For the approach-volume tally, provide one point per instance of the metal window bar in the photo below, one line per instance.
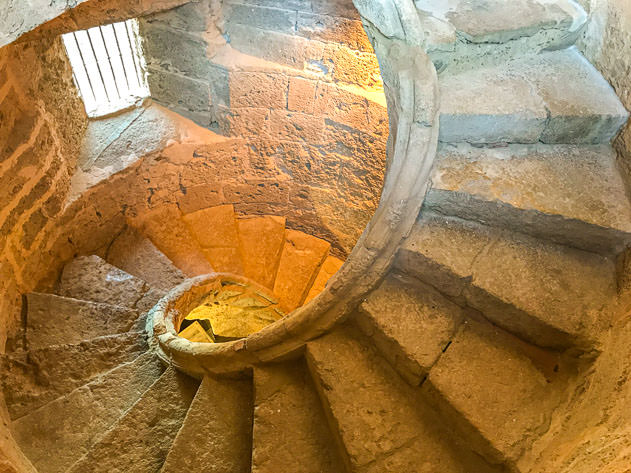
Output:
(102, 59)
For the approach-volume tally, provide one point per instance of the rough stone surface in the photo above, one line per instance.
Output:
(300, 262)
(488, 381)
(215, 229)
(572, 195)
(410, 323)
(552, 295)
(368, 403)
(290, 427)
(166, 230)
(216, 436)
(261, 243)
(34, 378)
(55, 320)
(136, 255)
(140, 440)
(526, 100)
(91, 278)
(328, 269)
(69, 425)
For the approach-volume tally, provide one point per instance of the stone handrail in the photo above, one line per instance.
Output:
(411, 88)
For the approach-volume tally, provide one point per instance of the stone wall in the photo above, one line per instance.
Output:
(300, 83)
(607, 44)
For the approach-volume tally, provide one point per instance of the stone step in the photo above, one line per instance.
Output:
(380, 422)
(572, 195)
(216, 436)
(290, 426)
(328, 269)
(60, 432)
(166, 230)
(551, 295)
(91, 278)
(552, 97)
(410, 323)
(135, 254)
(140, 440)
(34, 378)
(261, 242)
(55, 320)
(487, 387)
(461, 30)
(215, 229)
(300, 262)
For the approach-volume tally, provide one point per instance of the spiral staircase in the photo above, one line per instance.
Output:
(459, 360)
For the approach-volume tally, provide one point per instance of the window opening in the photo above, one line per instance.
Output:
(108, 66)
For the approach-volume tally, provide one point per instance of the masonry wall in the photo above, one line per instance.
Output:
(297, 80)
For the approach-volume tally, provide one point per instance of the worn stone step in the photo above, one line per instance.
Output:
(410, 323)
(300, 262)
(91, 278)
(60, 432)
(572, 195)
(551, 295)
(328, 269)
(140, 440)
(493, 393)
(290, 426)
(55, 320)
(461, 30)
(135, 254)
(215, 229)
(34, 378)
(216, 436)
(261, 242)
(379, 419)
(166, 230)
(552, 97)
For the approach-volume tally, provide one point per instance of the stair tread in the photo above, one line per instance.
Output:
(140, 439)
(290, 427)
(487, 379)
(328, 269)
(495, 21)
(370, 403)
(527, 99)
(135, 254)
(261, 241)
(69, 425)
(216, 436)
(91, 278)
(570, 194)
(56, 320)
(410, 323)
(215, 229)
(166, 230)
(549, 294)
(300, 261)
(34, 378)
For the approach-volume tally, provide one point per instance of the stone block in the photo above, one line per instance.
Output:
(295, 126)
(258, 90)
(253, 16)
(257, 191)
(353, 67)
(178, 91)
(261, 240)
(300, 262)
(190, 17)
(328, 269)
(245, 122)
(302, 94)
(333, 29)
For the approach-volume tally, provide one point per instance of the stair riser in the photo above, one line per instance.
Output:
(507, 316)
(555, 228)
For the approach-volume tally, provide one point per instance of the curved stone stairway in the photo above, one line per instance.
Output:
(458, 362)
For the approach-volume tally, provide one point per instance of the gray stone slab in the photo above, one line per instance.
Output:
(411, 324)
(55, 320)
(60, 432)
(551, 295)
(569, 194)
(34, 378)
(140, 440)
(216, 436)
